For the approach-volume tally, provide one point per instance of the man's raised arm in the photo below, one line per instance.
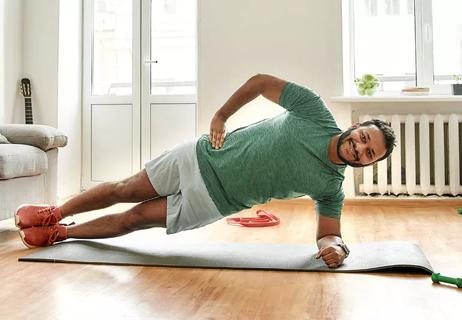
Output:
(329, 240)
(268, 86)
(261, 84)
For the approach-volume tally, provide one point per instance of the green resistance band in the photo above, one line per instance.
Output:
(436, 277)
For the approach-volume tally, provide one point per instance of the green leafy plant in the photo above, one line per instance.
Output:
(457, 85)
(367, 84)
(457, 78)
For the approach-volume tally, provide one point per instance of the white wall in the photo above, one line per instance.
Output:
(40, 57)
(297, 40)
(11, 104)
(52, 59)
(2, 61)
(69, 95)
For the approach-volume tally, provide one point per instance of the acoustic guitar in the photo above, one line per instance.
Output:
(27, 93)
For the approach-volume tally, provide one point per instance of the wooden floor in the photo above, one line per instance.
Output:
(78, 291)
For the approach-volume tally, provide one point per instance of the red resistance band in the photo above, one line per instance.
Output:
(264, 219)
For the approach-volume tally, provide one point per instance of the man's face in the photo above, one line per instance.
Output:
(361, 146)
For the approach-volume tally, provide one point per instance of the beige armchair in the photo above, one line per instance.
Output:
(28, 165)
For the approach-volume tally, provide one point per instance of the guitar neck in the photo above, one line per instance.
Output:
(28, 110)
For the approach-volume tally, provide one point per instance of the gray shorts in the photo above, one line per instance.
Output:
(175, 174)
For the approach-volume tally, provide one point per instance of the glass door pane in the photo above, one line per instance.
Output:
(112, 48)
(173, 47)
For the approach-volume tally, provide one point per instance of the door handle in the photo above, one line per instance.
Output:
(150, 61)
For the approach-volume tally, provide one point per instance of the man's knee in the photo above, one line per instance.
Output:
(131, 222)
(136, 188)
(145, 215)
(135, 220)
(122, 191)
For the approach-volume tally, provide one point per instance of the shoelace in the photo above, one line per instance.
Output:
(53, 236)
(48, 216)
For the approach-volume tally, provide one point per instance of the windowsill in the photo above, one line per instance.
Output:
(397, 97)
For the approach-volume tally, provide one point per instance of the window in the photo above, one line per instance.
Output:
(447, 39)
(404, 42)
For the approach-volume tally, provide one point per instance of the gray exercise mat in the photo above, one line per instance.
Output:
(363, 257)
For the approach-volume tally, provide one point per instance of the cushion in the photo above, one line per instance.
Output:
(40, 136)
(3, 139)
(19, 160)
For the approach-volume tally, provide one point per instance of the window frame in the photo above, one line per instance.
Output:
(423, 50)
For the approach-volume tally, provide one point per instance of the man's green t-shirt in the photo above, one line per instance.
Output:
(281, 157)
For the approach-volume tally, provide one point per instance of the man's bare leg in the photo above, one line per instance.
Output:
(136, 188)
(148, 214)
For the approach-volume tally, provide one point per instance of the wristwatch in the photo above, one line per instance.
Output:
(344, 248)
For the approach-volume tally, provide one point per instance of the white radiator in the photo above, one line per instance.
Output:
(425, 161)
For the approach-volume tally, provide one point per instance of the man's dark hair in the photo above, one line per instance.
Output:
(388, 134)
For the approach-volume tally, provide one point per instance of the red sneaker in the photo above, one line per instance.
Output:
(43, 236)
(28, 215)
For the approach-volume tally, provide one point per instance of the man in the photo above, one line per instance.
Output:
(299, 152)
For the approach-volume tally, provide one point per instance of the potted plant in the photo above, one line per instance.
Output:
(457, 86)
(367, 84)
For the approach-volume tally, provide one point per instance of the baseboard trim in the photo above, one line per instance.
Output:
(390, 202)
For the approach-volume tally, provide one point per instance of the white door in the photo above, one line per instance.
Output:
(168, 72)
(139, 83)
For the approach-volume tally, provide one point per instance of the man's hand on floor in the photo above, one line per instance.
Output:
(332, 255)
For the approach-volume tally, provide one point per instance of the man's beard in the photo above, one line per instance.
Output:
(341, 139)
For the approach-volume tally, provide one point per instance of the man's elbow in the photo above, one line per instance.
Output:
(259, 77)
(260, 80)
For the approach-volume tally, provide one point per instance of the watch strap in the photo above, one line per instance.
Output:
(344, 248)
